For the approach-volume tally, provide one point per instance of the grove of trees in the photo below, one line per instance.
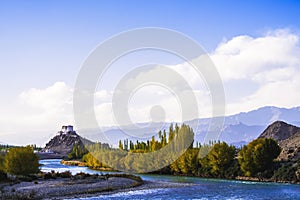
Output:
(216, 159)
(170, 152)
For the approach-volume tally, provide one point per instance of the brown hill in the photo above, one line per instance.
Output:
(288, 138)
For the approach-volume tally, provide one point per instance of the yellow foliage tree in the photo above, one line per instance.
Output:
(21, 161)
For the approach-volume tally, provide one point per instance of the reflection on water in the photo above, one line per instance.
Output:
(200, 189)
(54, 164)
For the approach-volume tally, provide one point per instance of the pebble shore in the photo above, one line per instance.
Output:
(64, 187)
(68, 189)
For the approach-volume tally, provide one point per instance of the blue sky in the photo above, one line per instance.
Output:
(52, 38)
(45, 42)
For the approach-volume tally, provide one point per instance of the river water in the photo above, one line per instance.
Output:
(199, 188)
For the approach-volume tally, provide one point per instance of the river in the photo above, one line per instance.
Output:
(199, 188)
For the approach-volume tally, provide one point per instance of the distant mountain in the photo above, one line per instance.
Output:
(288, 138)
(246, 126)
(240, 132)
(3, 143)
(265, 115)
(237, 129)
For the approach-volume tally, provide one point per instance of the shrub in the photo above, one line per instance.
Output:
(48, 176)
(82, 175)
(21, 161)
(66, 174)
(287, 172)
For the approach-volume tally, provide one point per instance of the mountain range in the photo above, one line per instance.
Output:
(238, 129)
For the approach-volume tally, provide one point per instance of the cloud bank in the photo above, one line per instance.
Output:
(260, 71)
(256, 71)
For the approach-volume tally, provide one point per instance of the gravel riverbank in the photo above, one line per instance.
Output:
(145, 186)
(64, 187)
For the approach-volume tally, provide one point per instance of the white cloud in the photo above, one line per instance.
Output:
(37, 114)
(53, 98)
(270, 64)
(257, 71)
(245, 57)
(103, 96)
(104, 114)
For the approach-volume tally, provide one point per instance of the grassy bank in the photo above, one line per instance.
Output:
(83, 164)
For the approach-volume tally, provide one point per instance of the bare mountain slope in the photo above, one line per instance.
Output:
(287, 136)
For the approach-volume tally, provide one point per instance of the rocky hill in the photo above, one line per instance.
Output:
(63, 142)
(288, 138)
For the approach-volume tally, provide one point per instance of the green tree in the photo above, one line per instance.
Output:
(258, 156)
(77, 152)
(220, 158)
(125, 146)
(164, 139)
(21, 161)
(121, 145)
(187, 163)
(153, 144)
(171, 133)
(131, 145)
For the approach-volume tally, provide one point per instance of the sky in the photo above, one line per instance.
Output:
(43, 44)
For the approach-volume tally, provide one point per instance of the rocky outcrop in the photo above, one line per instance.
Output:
(288, 138)
(279, 131)
(63, 142)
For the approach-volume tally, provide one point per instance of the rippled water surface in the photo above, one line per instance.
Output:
(199, 189)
